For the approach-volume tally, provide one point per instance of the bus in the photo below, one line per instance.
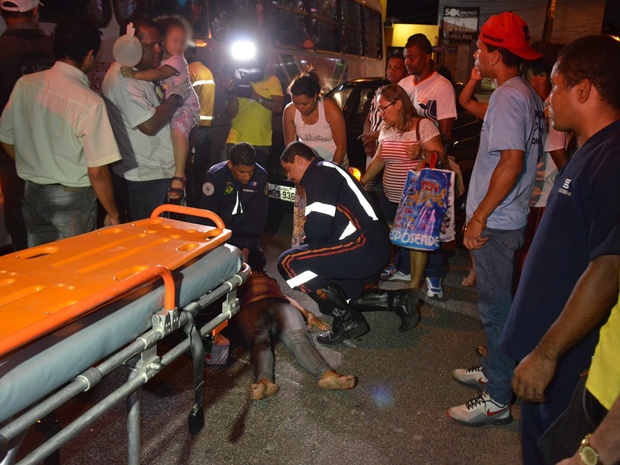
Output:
(339, 39)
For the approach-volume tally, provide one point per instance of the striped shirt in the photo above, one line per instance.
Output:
(373, 113)
(397, 164)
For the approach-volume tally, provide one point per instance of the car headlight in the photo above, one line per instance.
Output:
(243, 50)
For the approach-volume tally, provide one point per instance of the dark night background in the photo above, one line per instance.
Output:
(413, 11)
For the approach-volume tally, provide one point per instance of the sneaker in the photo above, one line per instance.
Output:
(433, 288)
(479, 411)
(400, 276)
(472, 377)
(387, 274)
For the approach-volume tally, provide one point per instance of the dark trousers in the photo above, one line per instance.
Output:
(582, 416)
(351, 265)
(138, 199)
(269, 319)
(537, 418)
(198, 164)
(13, 193)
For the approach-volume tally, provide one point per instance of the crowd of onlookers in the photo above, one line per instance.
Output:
(542, 210)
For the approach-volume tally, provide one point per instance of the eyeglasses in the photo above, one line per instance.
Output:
(382, 109)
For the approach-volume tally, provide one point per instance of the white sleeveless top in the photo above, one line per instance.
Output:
(317, 136)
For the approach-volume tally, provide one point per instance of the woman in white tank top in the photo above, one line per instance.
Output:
(314, 121)
(319, 124)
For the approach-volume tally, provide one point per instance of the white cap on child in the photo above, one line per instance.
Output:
(127, 49)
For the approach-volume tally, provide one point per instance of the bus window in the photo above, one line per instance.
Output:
(289, 24)
(230, 18)
(374, 37)
(99, 10)
(192, 10)
(325, 25)
(352, 31)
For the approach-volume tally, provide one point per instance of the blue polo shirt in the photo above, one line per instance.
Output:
(513, 121)
(581, 222)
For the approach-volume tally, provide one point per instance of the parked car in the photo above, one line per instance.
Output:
(354, 98)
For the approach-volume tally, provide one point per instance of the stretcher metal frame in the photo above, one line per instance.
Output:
(143, 362)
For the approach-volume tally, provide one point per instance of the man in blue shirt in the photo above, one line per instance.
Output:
(569, 283)
(497, 205)
(237, 191)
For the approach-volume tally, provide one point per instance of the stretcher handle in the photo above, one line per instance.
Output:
(183, 210)
(133, 281)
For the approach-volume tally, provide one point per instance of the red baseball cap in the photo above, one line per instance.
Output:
(509, 31)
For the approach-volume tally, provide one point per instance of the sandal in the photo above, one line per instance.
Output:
(176, 194)
(470, 279)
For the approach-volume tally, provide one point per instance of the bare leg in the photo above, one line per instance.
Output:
(263, 389)
(470, 279)
(418, 265)
(180, 149)
(334, 380)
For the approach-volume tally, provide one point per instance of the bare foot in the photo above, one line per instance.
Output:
(333, 380)
(263, 389)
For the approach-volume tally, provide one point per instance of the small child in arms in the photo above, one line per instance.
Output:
(174, 72)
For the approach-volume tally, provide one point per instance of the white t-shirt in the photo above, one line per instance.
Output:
(130, 103)
(59, 127)
(546, 170)
(433, 97)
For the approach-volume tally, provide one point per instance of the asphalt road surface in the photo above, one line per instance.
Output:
(395, 416)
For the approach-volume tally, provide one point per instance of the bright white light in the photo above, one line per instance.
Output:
(243, 50)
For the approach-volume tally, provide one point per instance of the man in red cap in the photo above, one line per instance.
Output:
(497, 206)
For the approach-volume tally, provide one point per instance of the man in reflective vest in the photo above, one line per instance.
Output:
(345, 248)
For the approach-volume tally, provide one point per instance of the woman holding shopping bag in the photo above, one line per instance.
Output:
(405, 141)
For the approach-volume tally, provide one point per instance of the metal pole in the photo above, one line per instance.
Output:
(133, 423)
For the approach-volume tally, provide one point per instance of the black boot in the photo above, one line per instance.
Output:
(347, 324)
(403, 302)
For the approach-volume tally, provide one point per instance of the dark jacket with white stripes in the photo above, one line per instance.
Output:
(338, 208)
(242, 207)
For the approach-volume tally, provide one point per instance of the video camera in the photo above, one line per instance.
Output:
(243, 78)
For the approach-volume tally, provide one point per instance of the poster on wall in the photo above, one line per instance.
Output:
(460, 25)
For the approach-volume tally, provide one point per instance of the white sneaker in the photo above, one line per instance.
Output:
(434, 288)
(472, 377)
(479, 411)
(400, 276)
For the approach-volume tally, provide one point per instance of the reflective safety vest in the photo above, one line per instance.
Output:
(204, 85)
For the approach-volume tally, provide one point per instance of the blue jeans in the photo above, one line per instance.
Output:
(436, 266)
(53, 212)
(494, 277)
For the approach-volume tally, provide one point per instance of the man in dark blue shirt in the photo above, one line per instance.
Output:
(237, 191)
(572, 267)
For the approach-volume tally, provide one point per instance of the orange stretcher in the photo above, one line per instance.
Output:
(76, 310)
(46, 287)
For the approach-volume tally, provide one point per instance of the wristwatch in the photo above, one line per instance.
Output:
(587, 453)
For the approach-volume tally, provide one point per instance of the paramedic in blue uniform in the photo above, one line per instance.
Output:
(346, 245)
(237, 191)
